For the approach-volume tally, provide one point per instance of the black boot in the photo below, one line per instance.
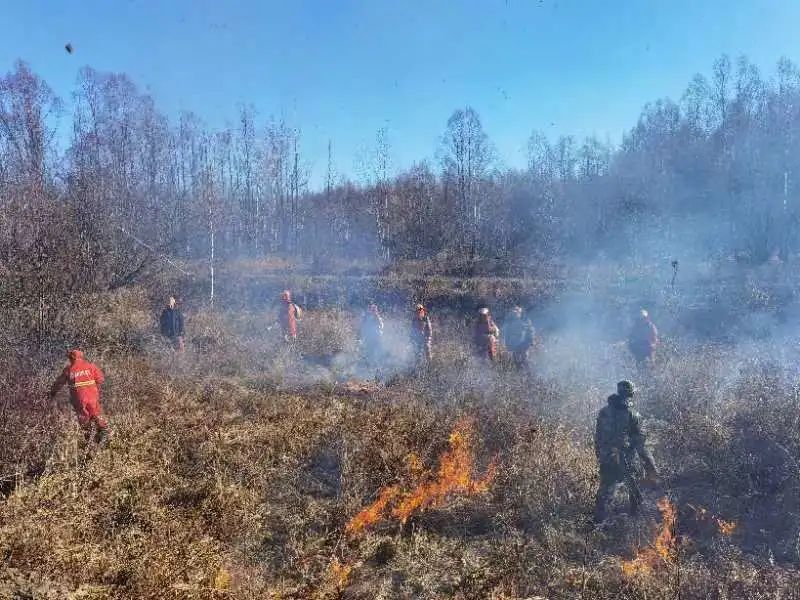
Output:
(101, 436)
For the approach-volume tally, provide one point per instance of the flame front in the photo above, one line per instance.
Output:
(341, 573)
(338, 576)
(726, 528)
(454, 476)
(663, 550)
(374, 512)
(415, 466)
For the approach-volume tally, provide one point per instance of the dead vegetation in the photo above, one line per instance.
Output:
(235, 471)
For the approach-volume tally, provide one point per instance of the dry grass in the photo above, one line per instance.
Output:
(235, 468)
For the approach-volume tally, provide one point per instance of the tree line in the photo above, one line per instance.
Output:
(87, 199)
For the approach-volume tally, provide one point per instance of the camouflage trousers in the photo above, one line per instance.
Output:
(613, 475)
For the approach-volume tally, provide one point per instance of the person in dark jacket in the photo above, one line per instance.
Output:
(618, 438)
(643, 338)
(171, 322)
(518, 331)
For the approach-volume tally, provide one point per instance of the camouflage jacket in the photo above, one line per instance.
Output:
(619, 435)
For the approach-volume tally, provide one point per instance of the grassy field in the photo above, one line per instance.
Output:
(236, 470)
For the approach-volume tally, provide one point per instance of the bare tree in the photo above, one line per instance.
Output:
(466, 156)
(29, 111)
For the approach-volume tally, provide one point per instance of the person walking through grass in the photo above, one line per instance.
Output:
(422, 335)
(84, 380)
(171, 324)
(619, 437)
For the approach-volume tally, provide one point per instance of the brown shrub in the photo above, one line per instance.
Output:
(222, 481)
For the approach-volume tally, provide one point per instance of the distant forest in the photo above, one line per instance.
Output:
(711, 174)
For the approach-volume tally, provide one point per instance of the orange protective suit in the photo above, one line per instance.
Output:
(84, 380)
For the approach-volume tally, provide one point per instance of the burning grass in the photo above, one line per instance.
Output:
(455, 476)
(725, 528)
(223, 482)
(664, 548)
(663, 552)
(374, 512)
(339, 574)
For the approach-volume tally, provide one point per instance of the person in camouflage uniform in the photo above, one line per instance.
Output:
(618, 437)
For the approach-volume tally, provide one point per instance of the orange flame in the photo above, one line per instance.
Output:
(726, 528)
(454, 476)
(337, 578)
(415, 466)
(373, 513)
(340, 573)
(663, 550)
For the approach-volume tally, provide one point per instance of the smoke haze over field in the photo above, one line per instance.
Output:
(709, 176)
(561, 157)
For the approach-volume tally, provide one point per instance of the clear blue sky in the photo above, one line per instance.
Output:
(341, 69)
